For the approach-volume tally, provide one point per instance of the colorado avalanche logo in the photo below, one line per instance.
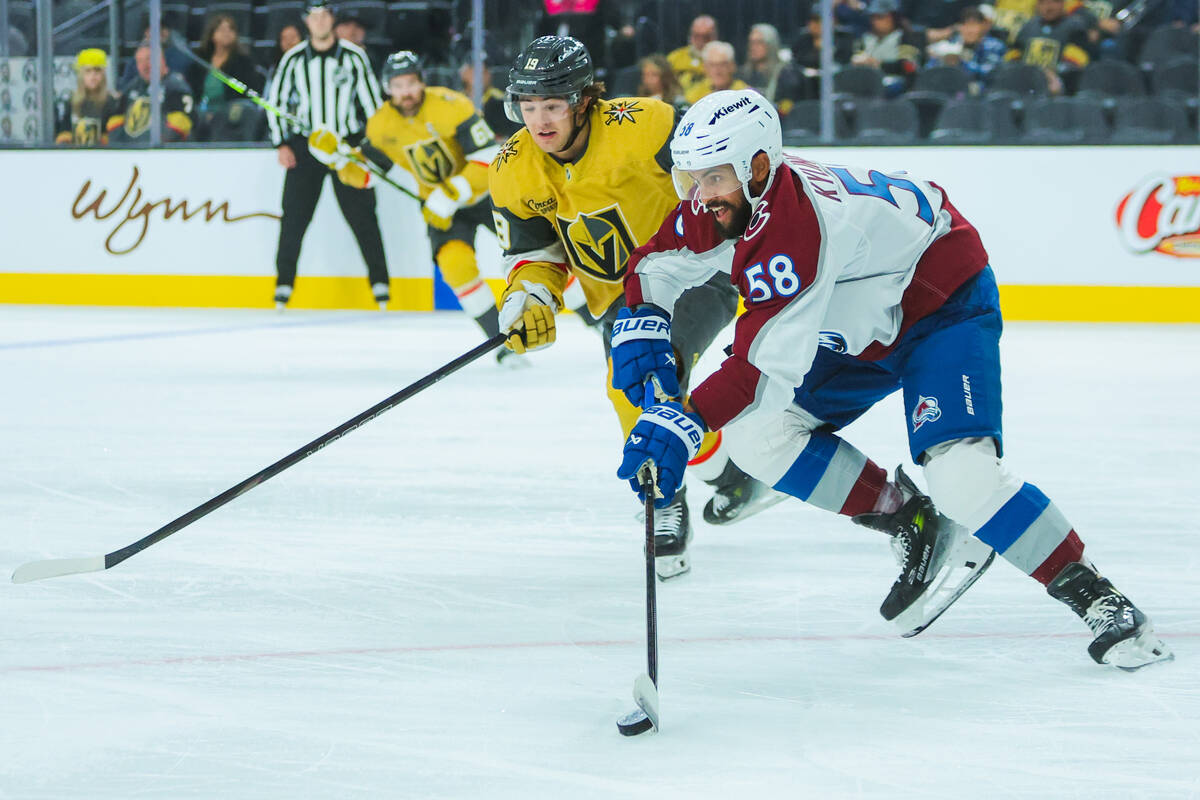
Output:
(832, 340)
(758, 220)
(927, 410)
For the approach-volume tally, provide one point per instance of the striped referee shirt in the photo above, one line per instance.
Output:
(332, 89)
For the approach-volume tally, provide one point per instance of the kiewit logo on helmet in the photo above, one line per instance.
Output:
(927, 410)
(1163, 215)
(729, 109)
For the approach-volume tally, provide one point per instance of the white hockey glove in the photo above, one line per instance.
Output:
(328, 148)
(527, 314)
(445, 201)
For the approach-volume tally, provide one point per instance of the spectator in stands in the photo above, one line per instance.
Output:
(719, 72)
(687, 60)
(890, 46)
(765, 71)
(132, 124)
(659, 81)
(1121, 29)
(806, 54)
(289, 36)
(220, 47)
(971, 47)
(177, 61)
(351, 28)
(491, 100)
(81, 118)
(1057, 42)
(849, 16)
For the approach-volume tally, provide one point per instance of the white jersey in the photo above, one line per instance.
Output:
(834, 256)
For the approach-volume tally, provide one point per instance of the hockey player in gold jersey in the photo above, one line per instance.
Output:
(431, 141)
(575, 191)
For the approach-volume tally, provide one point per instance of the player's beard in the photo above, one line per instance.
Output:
(739, 218)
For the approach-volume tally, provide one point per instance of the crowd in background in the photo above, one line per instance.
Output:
(905, 69)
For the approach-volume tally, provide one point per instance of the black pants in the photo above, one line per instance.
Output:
(301, 189)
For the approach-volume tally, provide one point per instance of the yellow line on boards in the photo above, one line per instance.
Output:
(1100, 303)
(1019, 302)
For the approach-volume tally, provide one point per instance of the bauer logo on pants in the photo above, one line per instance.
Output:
(927, 410)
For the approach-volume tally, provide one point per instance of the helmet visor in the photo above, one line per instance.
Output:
(528, 110)
(707, 183)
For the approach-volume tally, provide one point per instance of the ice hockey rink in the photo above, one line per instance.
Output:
(448, 602)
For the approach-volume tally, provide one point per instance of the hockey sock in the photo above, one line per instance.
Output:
(710, 461)
(830, 473)
(489, 321)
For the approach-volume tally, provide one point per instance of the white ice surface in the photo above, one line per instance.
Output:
(447, 603)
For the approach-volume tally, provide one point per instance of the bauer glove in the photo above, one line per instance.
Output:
(641, 352)
(527, 315)
(666, 437)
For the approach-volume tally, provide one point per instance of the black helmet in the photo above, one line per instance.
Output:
(552, 66)
(405, 62)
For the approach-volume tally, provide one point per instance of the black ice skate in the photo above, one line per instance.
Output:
(1124, 636)
(510, 359)
(738, 496)
(939, 559)
(672, 532)
(283, 294)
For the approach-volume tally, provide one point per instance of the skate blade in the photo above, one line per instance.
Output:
(1138, 651)
(966, 564)
(667, 567)
(760, 503)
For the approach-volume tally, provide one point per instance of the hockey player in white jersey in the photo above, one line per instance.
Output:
(856, 283)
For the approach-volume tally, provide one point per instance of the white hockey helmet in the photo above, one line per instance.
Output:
(726, 127)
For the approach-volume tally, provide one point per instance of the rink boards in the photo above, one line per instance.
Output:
(1074, 233)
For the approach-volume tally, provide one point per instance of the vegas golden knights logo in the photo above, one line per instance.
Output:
(87, 131)
(599, 243)
(137, 118)
(431, 160)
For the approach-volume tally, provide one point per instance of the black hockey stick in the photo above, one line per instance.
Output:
(259, 100)
(645, 687)
(51, 568)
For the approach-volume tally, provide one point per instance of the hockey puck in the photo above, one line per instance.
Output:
(634, 722)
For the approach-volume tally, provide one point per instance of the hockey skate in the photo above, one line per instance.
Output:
(283, 294)
(1124, 636)
(939, 559)
(382, 295)
(511, 360)
(738, 496)
(672, 532)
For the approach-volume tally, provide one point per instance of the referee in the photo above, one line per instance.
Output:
(328, 83)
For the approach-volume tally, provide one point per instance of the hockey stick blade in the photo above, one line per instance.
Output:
(54, 567)
(645, 694)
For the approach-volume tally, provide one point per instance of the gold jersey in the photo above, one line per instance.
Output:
(446, 137)
(689, 68)
(589, 215)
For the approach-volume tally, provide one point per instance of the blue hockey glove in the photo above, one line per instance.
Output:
(641, 352)
(667, 437)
